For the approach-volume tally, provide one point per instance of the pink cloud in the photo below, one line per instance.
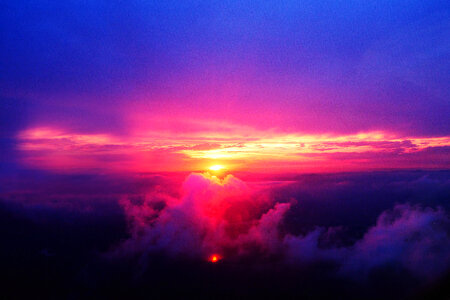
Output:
(237, 221)
(243, 149)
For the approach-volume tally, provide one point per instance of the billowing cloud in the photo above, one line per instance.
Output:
(237, 221)
(212, 216)
(407, 236)
(303, 233)
(415, 238)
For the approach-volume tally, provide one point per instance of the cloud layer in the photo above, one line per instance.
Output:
(312, 236)
(240, 148)
(245, 223)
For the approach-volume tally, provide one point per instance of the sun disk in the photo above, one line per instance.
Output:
(216, 168)
(215, 258)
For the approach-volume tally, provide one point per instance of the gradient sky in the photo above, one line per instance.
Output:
(295, 86)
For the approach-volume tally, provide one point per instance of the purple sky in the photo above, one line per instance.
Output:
(221, 68)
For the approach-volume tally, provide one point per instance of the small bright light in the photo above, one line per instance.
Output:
(215, 258)
(216, 168)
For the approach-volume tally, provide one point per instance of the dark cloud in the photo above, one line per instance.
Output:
(384, 234)
(416, 239)
(235, 221)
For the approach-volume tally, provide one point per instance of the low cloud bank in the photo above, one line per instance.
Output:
(242, 223)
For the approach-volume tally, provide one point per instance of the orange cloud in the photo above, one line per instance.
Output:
(52, 148)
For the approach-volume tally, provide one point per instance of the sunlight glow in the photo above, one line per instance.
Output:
(216, 168)
(59, 149)
(215, 258)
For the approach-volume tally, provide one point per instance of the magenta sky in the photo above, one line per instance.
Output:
(297, 86)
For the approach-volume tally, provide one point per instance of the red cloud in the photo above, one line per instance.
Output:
(232, 220)
(212, 216)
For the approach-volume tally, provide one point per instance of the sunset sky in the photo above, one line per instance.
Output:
(277, 86)
(188, 149)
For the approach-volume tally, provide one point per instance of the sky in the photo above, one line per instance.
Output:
(219, 149)
(273, 86)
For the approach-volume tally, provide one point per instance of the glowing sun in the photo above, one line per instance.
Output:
(215, 258)
(216, 168)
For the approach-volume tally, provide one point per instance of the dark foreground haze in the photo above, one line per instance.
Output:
(372, 235)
